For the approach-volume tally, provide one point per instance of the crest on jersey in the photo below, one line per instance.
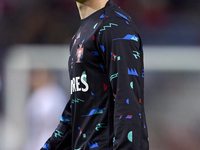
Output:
(79, 53)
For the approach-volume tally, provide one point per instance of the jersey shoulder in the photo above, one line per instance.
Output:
(115, 16)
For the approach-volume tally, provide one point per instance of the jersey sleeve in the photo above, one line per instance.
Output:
(61, 137)
(121, 49)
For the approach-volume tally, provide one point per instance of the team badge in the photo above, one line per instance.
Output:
(79, 53)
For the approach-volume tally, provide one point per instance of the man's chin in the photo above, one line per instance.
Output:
(80, 1)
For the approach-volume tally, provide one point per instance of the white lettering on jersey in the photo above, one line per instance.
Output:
(73, 85)
(76, 83)
(84, 82)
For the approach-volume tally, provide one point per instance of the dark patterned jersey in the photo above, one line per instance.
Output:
(106, 107)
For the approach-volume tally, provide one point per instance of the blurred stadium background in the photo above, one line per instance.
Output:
(34, 84)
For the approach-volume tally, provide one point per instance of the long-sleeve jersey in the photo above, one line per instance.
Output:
(106, 107)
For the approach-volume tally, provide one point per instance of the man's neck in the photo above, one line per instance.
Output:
(89, 7)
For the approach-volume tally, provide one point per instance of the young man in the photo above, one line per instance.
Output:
(106, 107)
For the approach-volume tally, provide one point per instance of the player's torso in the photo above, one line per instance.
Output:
(90, 90)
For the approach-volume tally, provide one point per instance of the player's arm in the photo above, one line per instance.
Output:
(61, 137)
(121, 49)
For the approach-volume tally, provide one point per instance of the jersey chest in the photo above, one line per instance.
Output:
(84, 53)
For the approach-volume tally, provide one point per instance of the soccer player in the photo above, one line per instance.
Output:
(106, 107)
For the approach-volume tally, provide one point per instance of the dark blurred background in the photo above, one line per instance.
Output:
(163, 23)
